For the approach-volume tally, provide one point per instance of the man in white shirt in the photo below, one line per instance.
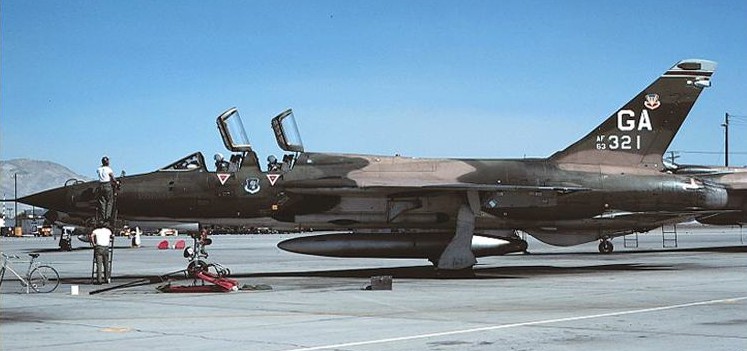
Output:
(101, 239)
(105, 196)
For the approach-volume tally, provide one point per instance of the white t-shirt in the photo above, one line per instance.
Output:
(104, 173)
(101, 236)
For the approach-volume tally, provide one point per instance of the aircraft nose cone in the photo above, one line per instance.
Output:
(54, 199)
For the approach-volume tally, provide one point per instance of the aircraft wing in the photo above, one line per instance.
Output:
(501, 187)
(480, 196)
(329, 187)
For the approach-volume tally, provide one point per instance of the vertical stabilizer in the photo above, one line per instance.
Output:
(638, 134)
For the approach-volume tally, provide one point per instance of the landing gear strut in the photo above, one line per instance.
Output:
(458, 253)
(605, 246)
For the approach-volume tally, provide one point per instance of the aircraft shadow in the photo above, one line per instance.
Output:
(428, 272)
(130, 280)
(718, 249)
(54, 249)
(410, 272)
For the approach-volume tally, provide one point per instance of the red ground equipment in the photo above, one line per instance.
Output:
(208, 277)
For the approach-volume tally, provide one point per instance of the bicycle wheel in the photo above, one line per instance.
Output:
(44, 279)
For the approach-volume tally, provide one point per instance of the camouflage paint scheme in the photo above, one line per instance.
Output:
(611, 182)
(733, 179)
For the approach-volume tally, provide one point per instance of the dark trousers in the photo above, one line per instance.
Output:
(106, 201)
(101, 255)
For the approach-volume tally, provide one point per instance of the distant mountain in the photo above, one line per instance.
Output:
(33, 176)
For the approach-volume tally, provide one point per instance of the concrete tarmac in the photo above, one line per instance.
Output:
(693, 297)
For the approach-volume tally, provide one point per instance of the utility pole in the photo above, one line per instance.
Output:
(726, 139)
(15, 196)
(673, 156)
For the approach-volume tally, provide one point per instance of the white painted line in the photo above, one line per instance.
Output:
(514, 325)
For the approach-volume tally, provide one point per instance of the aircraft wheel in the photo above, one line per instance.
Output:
(606, 247)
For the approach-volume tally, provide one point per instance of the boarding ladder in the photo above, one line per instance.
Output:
(741, 234)
(110, 249)
(630, 240)
(669, 235)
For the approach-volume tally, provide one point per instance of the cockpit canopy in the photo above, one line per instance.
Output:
(194, 161)
(232, 131)
(286, 132)
(236, 139)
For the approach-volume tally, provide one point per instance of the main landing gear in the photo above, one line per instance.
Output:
(605, 246)
(458, 253)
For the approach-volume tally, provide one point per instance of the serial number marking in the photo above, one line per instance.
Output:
(618, 142)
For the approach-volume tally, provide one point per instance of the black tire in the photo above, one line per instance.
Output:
(606, 247)
(44, 279)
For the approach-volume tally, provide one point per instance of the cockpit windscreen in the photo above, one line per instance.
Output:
(192, 162)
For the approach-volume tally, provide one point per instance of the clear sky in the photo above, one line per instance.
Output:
(143, 81)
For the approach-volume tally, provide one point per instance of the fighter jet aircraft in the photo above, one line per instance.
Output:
(611, 182)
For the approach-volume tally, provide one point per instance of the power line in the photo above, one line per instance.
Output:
(710, 152)
(737, 120)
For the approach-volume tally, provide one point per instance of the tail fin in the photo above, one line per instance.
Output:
(640, 132)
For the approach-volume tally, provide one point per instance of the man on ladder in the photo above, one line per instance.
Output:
(107, 185)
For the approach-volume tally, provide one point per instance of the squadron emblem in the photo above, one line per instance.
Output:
(652, 101)
(251, 185)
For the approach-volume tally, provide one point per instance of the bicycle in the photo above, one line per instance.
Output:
(39, 277)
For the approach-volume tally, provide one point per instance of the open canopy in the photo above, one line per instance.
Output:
(286, 132)
(236, 139)
(232, 131)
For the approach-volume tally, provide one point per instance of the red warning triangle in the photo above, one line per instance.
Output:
(273, 178)
(223, 177)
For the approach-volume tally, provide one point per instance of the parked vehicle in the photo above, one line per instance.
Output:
(168, 232)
